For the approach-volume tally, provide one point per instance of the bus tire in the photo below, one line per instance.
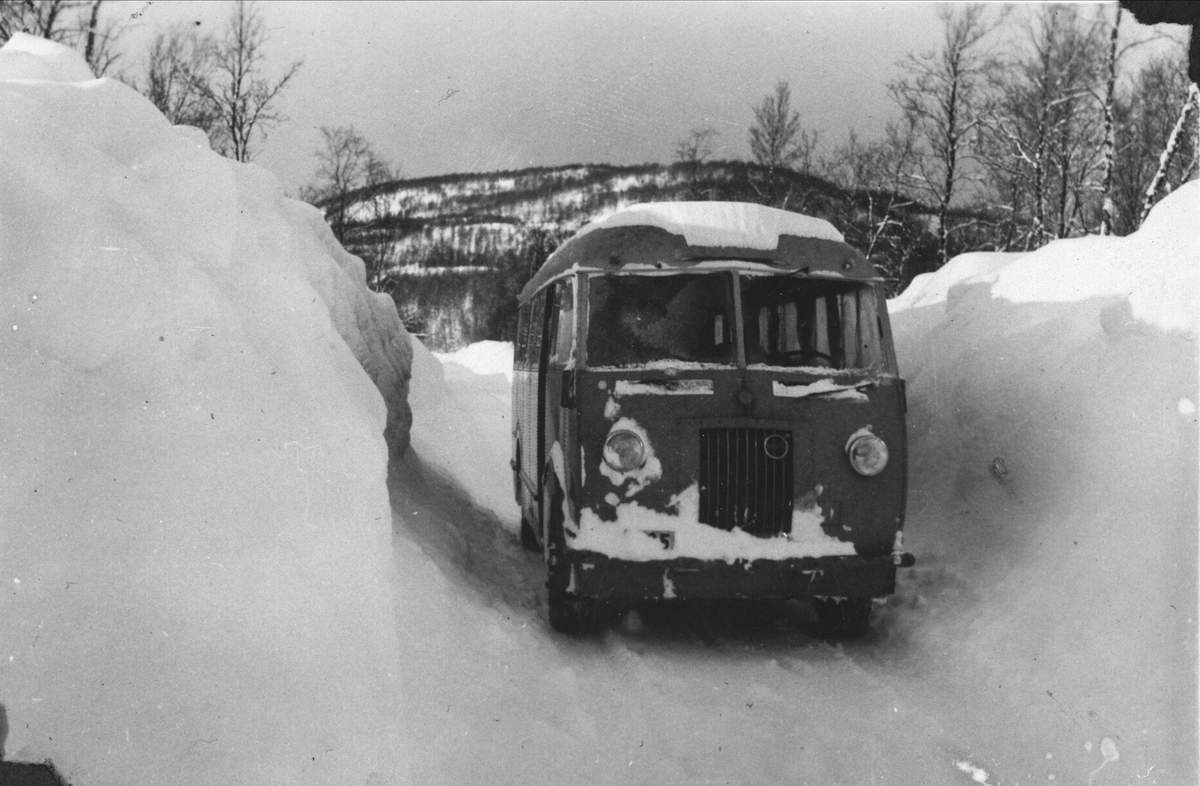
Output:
(569, 613)
(843, 618)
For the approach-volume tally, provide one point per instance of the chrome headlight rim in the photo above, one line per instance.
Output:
(868, 455)
(625, 460)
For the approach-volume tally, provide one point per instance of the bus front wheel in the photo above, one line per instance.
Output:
(569, 613)
(843, 617)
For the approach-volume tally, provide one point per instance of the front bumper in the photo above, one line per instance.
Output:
(597, 575)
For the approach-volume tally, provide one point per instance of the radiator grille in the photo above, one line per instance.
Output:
(745, 482)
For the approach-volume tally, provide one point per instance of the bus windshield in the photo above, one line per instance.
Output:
(640, 320)
(646, 320)
(810, 323)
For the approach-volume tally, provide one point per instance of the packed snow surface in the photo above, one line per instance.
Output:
(719, 224)
(194, 521)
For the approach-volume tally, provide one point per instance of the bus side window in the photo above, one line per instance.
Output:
(522, 348)
(563, 323)
(534, 348)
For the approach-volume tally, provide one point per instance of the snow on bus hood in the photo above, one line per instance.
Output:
(720, 224)
(634, 535)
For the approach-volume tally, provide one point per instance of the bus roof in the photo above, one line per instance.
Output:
(683, 235)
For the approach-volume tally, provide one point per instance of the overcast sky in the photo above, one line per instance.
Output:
(456, 87)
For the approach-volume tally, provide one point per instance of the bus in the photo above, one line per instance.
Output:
(706, 404)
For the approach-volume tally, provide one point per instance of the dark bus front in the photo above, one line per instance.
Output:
(722, 428)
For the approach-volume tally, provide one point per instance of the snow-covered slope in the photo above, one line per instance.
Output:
(194, 546)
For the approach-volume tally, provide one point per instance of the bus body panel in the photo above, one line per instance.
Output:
(747, 488)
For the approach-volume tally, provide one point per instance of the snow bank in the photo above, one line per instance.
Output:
(1053, 491)
(194, 523)
(719, 224)
(930, 289)
(462, 424)
(482, 358)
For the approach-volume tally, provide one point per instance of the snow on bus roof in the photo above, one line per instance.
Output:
(719, 224)
(675, 235)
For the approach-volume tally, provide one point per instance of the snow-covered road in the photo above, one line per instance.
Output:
(711, 693)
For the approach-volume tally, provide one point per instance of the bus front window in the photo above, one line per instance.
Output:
(808, 323)
(639, 320)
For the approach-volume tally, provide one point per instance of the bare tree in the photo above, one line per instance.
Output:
(1190, 106)
(875, 176)
(778, 143)
(245, 99)
(1042, 136)
(50, 19)
(344, 156)
(179, 73)
(773, 137)
(1109, 155)
(75, 23)
(692, 152)
(938, 94)
(383, 229)
(353, 183)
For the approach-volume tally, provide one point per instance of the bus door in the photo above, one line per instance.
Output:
(556, 380)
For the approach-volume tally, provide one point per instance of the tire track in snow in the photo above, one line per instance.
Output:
(467, 543)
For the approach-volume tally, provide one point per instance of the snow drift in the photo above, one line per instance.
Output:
(1053, 492)
(194, 521)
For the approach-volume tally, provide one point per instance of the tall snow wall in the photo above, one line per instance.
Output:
(195, 552)
(1053, 491)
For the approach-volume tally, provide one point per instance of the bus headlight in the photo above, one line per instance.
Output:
(868, 454)
(624, 451)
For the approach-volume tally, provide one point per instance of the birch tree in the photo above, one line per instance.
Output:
(76, 23)
(1191, 104)
(938, 94)
(692, 151)
(245, 99)
(178, 78)
(1109, 155)
(778, 142)
(1145, 115)
(344, 157)
(383, 230)
(1040, 137)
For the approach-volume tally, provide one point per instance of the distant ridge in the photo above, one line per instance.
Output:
(494, 229)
